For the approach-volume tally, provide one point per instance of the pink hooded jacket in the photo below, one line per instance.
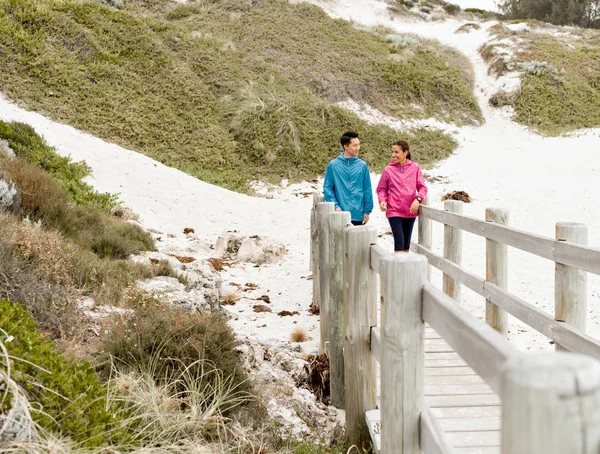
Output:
(399, 189)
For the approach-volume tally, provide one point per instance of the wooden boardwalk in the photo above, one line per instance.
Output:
(467, 409)
(444, 372)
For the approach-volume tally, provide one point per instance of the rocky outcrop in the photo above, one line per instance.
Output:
(297, 413)
(253, 249)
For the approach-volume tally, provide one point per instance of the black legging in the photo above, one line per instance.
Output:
(402, 229)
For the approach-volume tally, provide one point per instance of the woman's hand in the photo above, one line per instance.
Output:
(383, 205)
(414, 208)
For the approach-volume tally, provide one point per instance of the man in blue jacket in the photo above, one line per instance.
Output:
(347, 181)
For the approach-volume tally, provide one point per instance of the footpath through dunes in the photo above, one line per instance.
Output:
(540, 180)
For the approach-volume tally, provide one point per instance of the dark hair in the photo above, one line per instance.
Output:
(347, 138)
(403, 144)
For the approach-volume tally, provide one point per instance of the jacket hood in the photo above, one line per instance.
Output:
(408, 163)
(352, 159)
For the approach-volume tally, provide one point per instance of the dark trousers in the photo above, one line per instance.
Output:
(357, 222)
(402, 230)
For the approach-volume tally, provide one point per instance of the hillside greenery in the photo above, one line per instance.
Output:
(59, 240)
(196, 87)
(560, 86)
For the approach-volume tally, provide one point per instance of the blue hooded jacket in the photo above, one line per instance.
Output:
(348, 185)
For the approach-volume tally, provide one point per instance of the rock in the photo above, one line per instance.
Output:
(258, 249)
(254, 249)
(15, 424)
(170, 289)
(5, 150)
(10, 196)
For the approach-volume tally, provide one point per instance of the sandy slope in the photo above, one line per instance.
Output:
(540, 180)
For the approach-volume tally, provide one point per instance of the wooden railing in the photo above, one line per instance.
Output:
(550, 402)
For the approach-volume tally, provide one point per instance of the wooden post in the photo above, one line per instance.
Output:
(551, 404)
(360, 314)
(323, 211)
(403, 353)
(337, 222)
(314, 247)
(570, 284)
(452, 248)
(496, 271)
(425, 234)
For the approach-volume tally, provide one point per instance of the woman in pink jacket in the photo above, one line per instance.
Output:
(400, 191)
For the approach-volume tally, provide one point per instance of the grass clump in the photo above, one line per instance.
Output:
(65, 396)
(168, 341)
(179, 84)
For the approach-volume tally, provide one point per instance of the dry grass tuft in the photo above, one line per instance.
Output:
(230, 299)
(299, 335)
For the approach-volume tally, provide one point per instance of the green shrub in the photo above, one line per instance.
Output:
(451, 8)
(69, 398)
(178, 338)
(32, 148)
(42, 199)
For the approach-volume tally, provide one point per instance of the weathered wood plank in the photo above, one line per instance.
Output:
(442, 355)
(360, 314)
(561, 417)
(425, 233)
(469, 424)
(323, 210)
(462, 331)
(336, 223)
(402, 352)
(433, 440)
(437, 348)
(478, 450)
(446, 390)
(450, 370)
(471, 439)
(570, 284)
(496, 271)
(377, 254)
(472, 400)
(474, 379)
(452, 249)
(492, 411)
(445, 363)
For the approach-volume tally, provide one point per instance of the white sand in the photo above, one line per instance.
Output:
(540, 180)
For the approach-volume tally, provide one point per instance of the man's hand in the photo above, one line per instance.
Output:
(383, 205)
(338, 209)
(366, 219)
(414, 208)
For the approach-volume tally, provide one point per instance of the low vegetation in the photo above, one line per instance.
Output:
(195, 87)
(179, 339)
(57, 240)
(560, 88)
(64, 396)
(559, 12)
